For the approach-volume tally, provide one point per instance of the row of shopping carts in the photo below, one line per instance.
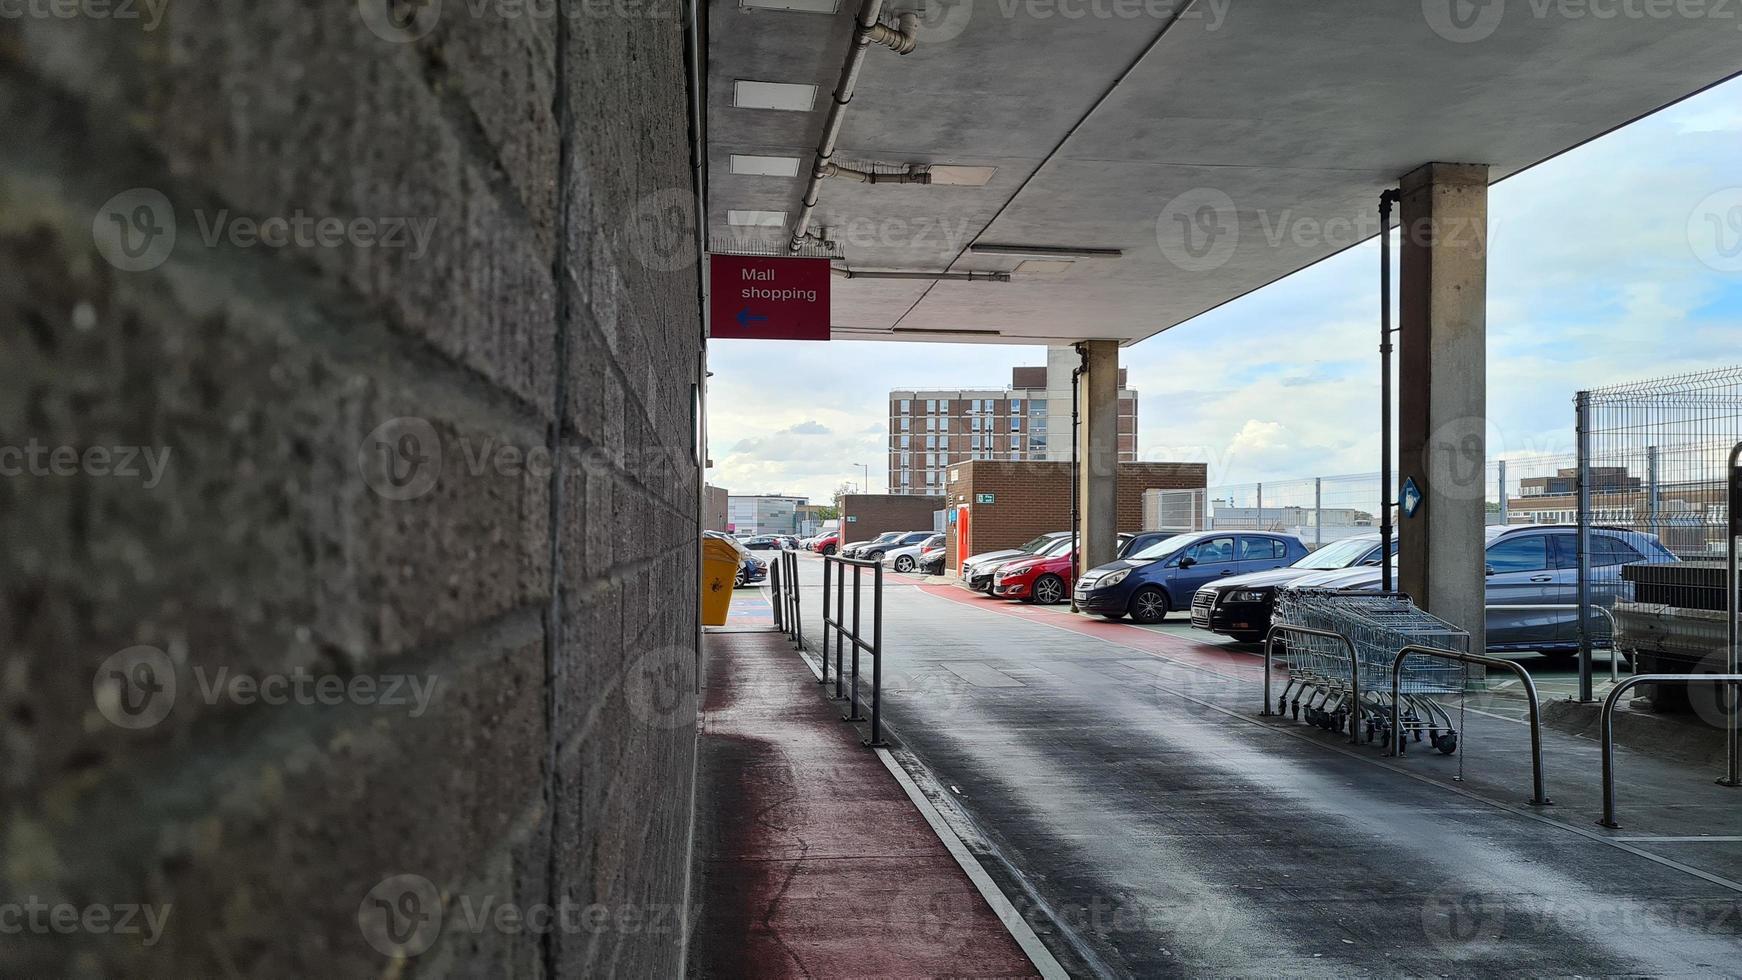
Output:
(1342, 682)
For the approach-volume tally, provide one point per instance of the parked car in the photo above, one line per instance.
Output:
(1044, 578)
(826, 544)
(1150, 582)
(856, 549)
(977, 569)
(762, 542)
(906, 539)
(906, 557)
(1535, 565)
(788, 542)
(751, 570)
(931, 563)
(1240, 606)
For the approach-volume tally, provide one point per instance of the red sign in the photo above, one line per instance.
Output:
(764, 298)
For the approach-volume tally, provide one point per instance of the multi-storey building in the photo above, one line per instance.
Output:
(765, 513)
(1029, 420)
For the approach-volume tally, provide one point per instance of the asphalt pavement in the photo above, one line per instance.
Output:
(1120, 784)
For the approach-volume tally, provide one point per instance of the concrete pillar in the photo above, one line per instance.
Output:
(1098, 453)
(1442, 391)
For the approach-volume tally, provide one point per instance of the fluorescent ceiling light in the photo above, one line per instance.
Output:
(946, 173)
(1039, 267)
(805, 6)
(751, 165)
(1070, 250)
(789, 96)
(759, 219)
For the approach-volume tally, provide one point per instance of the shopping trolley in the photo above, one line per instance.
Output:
(1320, 688)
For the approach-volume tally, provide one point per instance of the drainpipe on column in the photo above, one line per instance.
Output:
(1076, 462)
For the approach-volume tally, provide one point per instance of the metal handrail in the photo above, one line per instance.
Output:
(1606, 724)
(1540, 795)
(1609, 614)
(1354, 671)
(874, 647)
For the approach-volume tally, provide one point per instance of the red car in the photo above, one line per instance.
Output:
(826, 544)
(1043, 578)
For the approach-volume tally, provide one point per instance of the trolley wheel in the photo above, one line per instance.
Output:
(1447, 743)
(1297, 711)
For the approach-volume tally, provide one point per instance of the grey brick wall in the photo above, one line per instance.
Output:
(294, 535)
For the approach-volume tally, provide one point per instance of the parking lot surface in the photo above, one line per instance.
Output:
(1120, 784)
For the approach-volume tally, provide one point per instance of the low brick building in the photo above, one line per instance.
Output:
(866, 515)
(714, 508)
(998, 504)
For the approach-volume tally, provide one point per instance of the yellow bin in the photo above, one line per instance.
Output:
(719, 575)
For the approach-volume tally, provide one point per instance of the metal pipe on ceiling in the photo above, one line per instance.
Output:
(930, 276)
(901, 39)
(912, 175)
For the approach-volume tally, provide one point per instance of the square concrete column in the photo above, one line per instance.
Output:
(1098, 453)
(1442, 391)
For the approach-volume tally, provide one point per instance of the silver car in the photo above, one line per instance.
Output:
(1535, 565)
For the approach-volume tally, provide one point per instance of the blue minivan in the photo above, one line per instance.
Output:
(1148, 583)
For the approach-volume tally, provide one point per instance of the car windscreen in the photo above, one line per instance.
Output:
(1338, 554)
(1163, 548)
(1035, 544)
(1057, 547)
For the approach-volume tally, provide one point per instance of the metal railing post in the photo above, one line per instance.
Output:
(876, 740)
(1733, 742)
(778, 597)
(1606, 725)
(853, 697)
(840, 621)
(797, 605)
(1539, 795)
(828, 566)
(1583, 406)
(1505, 502)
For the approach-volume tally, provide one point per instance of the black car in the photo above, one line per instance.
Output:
(762, 542)
(931, 564)
(1240, 606)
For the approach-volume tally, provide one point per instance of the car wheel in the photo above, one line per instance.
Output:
(1149, 605)
(874, 556)
(1049, 590)
(829, 550)
(904, 564)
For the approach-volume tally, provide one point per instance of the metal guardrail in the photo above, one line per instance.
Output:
(1354, 672)
(1539, 796)
(835, 575)
(1609, 614)
(1607, 725)
(783, 579)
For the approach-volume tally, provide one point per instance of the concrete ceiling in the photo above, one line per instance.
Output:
(1277, 121)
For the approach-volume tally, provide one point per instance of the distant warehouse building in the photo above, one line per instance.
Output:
(763, 513)
(992, 504)
(932, 430)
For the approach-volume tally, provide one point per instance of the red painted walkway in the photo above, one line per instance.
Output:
(814, 863)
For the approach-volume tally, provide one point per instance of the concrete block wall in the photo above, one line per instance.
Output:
(1032, 498)
(390, 654)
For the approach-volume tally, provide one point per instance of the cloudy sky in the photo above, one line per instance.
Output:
(1604, 267)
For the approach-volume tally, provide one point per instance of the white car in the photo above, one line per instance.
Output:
(906, 557)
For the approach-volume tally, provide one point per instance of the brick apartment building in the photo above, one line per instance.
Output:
(1007, 503)
(931, 430)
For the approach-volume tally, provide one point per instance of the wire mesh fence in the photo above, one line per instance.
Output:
(1650, 493)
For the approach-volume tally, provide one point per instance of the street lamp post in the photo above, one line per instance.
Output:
(865, 485)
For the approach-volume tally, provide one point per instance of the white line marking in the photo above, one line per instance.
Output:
(1014, 923)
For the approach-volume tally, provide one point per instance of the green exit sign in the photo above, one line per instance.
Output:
(984, 498)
